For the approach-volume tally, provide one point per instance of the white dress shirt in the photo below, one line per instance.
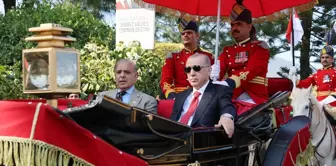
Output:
(127, 96)
(188, 100)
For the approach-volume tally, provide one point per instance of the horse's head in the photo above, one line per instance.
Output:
(302, 101)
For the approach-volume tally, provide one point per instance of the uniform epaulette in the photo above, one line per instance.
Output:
(225, 50)
(169, 55)
(261, 43)
(204, 50)
(213, 56)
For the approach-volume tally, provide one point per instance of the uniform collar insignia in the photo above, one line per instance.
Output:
(197, 49)
(243, 42)
(325, 68)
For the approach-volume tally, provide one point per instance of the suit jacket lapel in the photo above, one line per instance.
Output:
(203, 104)
(181, 102)
(113, 93)
(135, 98)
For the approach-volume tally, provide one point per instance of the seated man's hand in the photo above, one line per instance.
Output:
(227, 124)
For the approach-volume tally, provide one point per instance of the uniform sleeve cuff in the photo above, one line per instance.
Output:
(236, 80)
(168, 91)
(230, 82)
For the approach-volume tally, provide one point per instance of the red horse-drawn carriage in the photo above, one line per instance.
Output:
(106, 132)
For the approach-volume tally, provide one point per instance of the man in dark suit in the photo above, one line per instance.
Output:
(205, 104)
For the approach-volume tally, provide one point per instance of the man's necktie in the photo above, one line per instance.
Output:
(120, 95)
(193, 105)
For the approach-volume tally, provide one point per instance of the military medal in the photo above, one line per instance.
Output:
(241, 57)
(326, 79)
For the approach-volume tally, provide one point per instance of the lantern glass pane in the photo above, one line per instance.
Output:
(36, 66)
(67, 70)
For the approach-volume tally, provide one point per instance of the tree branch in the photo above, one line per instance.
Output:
(323, 14)
(319, 38)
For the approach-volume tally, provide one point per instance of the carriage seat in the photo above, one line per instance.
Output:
(282, 113)
(165, 108)
(275, 85)
(278, 84)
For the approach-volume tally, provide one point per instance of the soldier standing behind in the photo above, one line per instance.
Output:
(243, 66)
(173, 78)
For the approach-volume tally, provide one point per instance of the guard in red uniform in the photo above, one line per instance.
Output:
(243, 66)
(173, 79)
(324, 79)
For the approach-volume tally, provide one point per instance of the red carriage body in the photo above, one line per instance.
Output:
(30, 127)
(37, 129)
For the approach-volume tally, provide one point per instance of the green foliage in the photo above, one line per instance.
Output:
(11, 83)
(97, 7)
(96, 68)
(271, 32)
(97, 63)
(14, 29)
(15, 24)
(162, 49)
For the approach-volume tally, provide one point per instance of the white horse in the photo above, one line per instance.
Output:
(323, 136)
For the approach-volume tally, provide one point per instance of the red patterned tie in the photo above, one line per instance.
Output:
(193, 105)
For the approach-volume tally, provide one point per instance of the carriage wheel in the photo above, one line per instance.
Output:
(291, 144)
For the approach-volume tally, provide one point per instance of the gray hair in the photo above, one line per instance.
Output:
(126, 61)
(205, 58)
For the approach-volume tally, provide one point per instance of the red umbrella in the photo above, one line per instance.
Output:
(259, 8)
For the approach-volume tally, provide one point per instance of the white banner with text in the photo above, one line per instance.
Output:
(136, 24)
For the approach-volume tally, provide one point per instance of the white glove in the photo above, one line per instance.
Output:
(221, 83)
(292, 74)
(215, 70)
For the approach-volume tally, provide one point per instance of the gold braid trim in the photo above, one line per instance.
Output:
(169, 91)
(167, 86)
(304, 157)
(16, 151)
(194, 164)
(270, 18)
(274, 117)
(243, 75)
(236, 79)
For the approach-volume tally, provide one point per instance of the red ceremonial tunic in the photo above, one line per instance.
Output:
(173, 78)
(325, 82)
(246, 63)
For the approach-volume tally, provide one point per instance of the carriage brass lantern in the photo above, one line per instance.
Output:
(51, 70)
